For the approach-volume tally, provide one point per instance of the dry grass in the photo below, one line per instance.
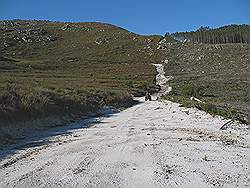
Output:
(216, 74)
(65, 65)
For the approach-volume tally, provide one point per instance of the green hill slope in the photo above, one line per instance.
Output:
(217, 74)
(66, 68)
(61, 67)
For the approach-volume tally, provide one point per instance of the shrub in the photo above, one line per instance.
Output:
(190, 89)
(17, 103)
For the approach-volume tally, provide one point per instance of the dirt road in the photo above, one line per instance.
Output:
(152, 144)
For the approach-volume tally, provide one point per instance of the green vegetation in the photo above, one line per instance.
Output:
(226, 34)
(20, 104)
(215, 74)
(51, 67)
(212, 109)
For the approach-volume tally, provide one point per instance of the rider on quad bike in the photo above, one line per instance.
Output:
(148, 96)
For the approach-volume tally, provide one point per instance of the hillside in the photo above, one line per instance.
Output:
(65, 67)
(217, 74)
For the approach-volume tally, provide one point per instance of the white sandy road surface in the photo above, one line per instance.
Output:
(152, 144)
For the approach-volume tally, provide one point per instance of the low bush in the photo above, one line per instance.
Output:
(17, 103)
(189, 89)
(226, 112)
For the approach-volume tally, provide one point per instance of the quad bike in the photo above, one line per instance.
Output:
(148, 97)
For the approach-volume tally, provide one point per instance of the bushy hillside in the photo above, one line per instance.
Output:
(216, 74)
(61, 67)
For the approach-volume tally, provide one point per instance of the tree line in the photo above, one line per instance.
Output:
(226, 34)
